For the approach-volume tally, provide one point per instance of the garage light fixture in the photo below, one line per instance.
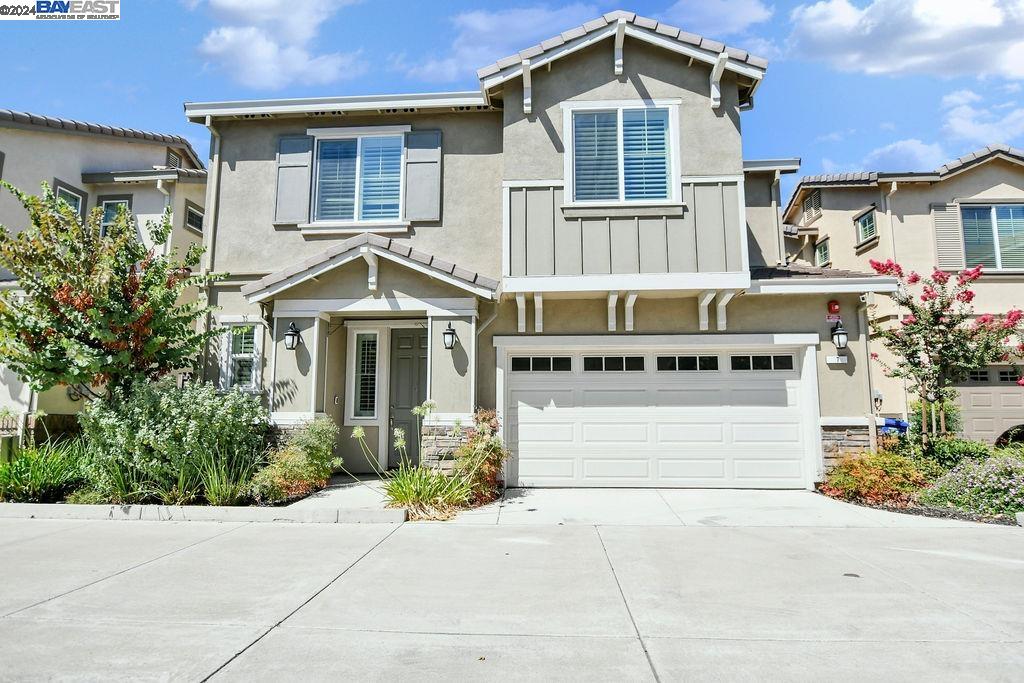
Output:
(292, 337)
(449, 337)
(839, 336)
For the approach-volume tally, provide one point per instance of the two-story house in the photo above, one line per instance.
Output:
(89, 165)
(579, 245)
(969, 212)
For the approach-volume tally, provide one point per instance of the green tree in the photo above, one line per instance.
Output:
(939, 338)
(96, 308)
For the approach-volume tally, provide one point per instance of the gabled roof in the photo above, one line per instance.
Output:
(20, 119)
(354, 248)
(869, 178)
(635, 26)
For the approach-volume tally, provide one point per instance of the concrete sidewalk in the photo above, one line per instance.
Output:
(177, 601)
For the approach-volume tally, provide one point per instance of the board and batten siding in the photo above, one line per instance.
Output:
(545, 239)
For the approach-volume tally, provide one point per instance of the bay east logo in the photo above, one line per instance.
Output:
(78, 9)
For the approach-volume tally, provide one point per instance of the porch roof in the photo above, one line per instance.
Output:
(369, 246)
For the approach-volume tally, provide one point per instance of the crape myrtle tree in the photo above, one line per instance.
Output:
(95, 308)
(939, 338)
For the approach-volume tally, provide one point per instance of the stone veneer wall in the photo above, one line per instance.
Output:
(838, 442)
(438, 445)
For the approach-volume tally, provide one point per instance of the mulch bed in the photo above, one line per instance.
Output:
(941, 513)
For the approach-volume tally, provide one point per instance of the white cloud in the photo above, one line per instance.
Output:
(484, 36)
(715, 18)
(1011, 88)
(887, 125)
(836, 135)
(983, 125)
(959, 98)
(905, 155)
(939, 37)
(266, 44)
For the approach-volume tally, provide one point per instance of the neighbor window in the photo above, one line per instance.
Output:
(365, 398)
(613, 364)
(242, 359)
(73, 199)
(687, 363)
(359, 178)
(622, 155)
(541, 364)
(865, 226)
(821, 253)
(994, 236)
(812, 206)
(761, 362)
(110, 209)
(194, 219)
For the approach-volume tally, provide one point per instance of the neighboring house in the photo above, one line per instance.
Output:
(578, 245)
(92, 166)
(969, 212)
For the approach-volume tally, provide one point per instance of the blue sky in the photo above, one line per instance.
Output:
(852, 84)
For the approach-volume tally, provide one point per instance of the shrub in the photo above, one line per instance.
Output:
(951, 408)
(302, 465)
(42, 474)
(951, 451)
(427, 493)
(151, 443)
(480, 459)
(876, 478)
(994, 486)
(225, 479)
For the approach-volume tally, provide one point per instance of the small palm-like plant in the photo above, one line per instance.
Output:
(42, 474)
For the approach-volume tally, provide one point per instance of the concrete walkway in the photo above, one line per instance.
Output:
(266, 601)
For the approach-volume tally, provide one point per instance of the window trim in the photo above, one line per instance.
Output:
(568, 155)
(771, 354)
(531, 357)
(357, 133)
(59, 184)
(828, 252)
(992, 207)
(606, 356)
(351, 418)
(857, 218)
(697, 356)
(258, 325)
(195, 208)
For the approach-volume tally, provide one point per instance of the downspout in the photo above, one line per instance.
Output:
(780, 238)
(212, 193)
(862, 320)
(167, 202)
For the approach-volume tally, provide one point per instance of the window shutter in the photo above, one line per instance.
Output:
(949, 239)
(294, 168)
(596, 156)
(645, 153)
(423, 175)
(1010, 224)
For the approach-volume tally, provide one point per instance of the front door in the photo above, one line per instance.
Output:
(408, 389)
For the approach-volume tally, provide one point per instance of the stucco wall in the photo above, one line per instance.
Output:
(451, 371)
(761, 196)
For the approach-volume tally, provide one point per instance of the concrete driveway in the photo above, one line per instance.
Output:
(434, 601)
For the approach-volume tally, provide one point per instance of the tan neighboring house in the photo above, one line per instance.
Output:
(969, 212)
(95, 166)
(579, 244)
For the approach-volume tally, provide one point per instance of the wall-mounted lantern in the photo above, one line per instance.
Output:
(449, 337)
(292, 337)
(839, 336)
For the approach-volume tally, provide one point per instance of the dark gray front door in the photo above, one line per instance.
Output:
(408, 389)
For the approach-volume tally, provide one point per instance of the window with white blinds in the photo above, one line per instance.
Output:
(994, 236)
(365, 404)
(622, 154)
(359, 178)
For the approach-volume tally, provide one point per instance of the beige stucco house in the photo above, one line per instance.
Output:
(91, 166)
(579, 244)
(969, 212)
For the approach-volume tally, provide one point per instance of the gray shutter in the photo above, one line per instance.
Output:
(949, 236)
(294, 173)
(423, 175)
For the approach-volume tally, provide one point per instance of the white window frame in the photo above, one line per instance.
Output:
(258, 325)
(357, 133)
(382, 336)
(81, 199)
(675, 185)
(995, 228)
(817, 253)
(861, 239)
(695, 371)
(202, 218)
(103, 207)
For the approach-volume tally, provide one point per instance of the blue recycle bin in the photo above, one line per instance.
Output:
(894, 426)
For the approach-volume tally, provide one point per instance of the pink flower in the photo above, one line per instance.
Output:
(1012, 318)
(1020, 382)
(929, 293)
(888, 267)
(874, 356)
(909, 319)
(969, 275)
(940, 276)
(984, 319)
(913, 278)
(966, 296)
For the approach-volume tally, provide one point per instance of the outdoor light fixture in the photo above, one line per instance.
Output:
(839, 336)
(449, 337)
(292, 337)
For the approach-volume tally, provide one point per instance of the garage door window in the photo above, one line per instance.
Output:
(1008, 376)
(613, 364)
(762, 363)
(541, 364)
(687, 363)
(980, 376)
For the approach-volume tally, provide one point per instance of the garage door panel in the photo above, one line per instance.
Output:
(766, 433)
(690, 468)
(542, 399)
(622, 468)
(614, 432)
(1012, 399)
(759, 396)
(988, 411)
(708, 397)
(546, 432)
(547, 468)
(696, 433)
(612, 397)
(766, 469)
(979, 400)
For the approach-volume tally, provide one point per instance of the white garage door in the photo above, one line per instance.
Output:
(702, 419)
(991, 403)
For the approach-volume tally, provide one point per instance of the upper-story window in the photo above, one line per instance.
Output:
(812, 206)
(621, 153)
(194, 219)
(822, 256)
(865, 224)
(358, 177)
(111, 206)
(994, 235)
(71, 198)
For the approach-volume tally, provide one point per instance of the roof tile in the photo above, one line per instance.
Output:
(645, 22)
(595, 24)
(667, 30)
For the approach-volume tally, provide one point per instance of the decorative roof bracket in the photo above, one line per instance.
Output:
(716, 79)
(620, 38)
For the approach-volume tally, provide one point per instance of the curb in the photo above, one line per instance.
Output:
(201, 513)
(1020, 519)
